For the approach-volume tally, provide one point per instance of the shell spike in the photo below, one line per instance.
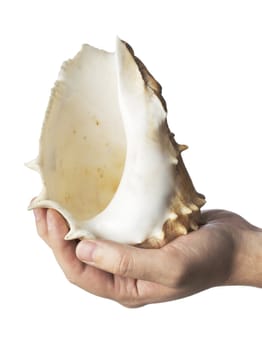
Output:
(182, 148)
(78, 234)
(33, 164)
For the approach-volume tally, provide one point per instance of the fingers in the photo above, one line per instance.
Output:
(64, 251)
(109, 269)
(41, 224)
(156, 265)
(52, 228)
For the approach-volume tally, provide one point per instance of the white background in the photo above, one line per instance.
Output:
(208, 57)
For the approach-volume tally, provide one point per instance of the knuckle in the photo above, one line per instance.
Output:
(125, 265)
(131, 304)
(127, 293)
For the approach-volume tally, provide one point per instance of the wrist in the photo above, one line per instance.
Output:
(247, 259)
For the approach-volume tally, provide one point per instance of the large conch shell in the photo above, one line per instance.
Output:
(108, 161)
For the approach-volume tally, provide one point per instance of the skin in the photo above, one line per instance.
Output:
(226, 250)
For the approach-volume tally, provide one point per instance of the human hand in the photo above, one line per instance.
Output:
(225, 250)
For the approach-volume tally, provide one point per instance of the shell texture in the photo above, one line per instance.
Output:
(108, 161)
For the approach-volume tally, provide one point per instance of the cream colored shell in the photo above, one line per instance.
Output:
(107, 159)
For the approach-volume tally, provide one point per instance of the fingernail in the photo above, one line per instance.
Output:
(85, 251)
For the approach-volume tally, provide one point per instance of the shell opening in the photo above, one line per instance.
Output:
(82, 164)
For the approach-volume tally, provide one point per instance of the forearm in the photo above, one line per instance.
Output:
(247, 260)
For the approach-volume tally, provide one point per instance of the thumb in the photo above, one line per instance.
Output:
(127, 261)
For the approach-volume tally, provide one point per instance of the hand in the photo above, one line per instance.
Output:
(225, 250)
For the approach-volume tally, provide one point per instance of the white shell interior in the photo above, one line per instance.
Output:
(83, 147)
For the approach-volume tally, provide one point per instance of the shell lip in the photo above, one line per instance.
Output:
(33, 165)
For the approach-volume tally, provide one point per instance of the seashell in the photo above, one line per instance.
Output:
(108, 162)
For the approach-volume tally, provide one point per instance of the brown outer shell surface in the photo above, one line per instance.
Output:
(185, 205)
